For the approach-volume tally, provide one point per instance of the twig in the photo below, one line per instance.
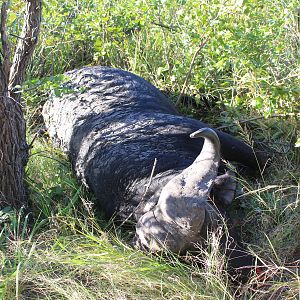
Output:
(171, 28)
(16, 36)
(150, 179)
(146, 190)
(166, 52)
(237, 122)
(26, 44)
(33, 140)
(204, 42)
(6, 50)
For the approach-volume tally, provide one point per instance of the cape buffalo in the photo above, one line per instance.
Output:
(133, 150)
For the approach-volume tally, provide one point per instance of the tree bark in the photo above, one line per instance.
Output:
(13, 146)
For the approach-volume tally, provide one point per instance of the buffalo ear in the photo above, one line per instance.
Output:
(224, 188)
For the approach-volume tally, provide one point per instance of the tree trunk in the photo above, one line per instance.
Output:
(13, 152)
(13, 146)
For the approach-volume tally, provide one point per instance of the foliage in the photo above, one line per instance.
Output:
(251, 58)
(54, 190)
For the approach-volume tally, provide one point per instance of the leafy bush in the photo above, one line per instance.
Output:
(250, 58)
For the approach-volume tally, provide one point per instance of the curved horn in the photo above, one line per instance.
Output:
(211, 147)
(182, 210)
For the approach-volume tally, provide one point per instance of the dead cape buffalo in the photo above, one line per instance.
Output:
(133, 150)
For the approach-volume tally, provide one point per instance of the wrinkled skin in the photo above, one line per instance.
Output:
(113, 127)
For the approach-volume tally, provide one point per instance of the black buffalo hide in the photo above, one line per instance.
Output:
(114, 125)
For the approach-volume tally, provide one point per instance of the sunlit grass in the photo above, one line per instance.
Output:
(88, 263)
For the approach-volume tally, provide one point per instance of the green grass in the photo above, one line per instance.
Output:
(90, 264)
(248, 67)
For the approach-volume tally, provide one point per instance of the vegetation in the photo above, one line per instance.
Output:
(246, 67)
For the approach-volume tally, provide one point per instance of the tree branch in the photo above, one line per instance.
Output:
(171, 28)
(204, 42)
(6, 50)
(26, 44)
(238, 122)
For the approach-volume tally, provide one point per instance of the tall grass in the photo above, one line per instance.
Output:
(88, 263)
